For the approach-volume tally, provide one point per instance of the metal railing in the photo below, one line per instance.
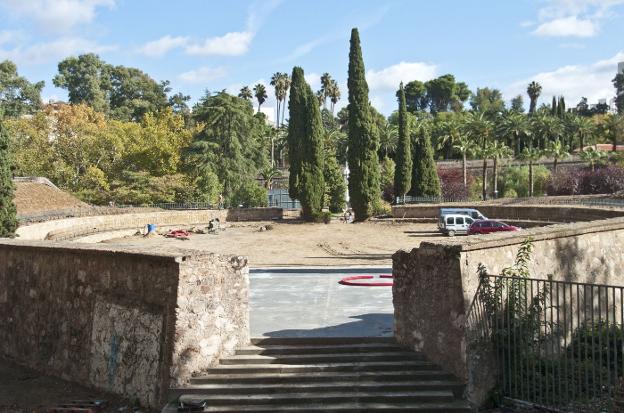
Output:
(557, 344)
(279, 198)
(538, 200)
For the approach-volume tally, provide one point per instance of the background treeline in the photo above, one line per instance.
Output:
(127, 138)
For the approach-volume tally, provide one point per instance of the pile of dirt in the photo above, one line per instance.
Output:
(35, 197)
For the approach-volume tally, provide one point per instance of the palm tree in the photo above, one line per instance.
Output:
(515, 126)
(481, 129)
(245, 93)
(615, 129)
(333, 94)
(326, 81)
(466, 147)
(260, 94)
(452, 129)
(281, 83)
(592, 156)
(498, 150)
(320, 96)
(388, 139)
(268, 173)
(531, 155)
(533, 90)
(546, 128)
(557, 150)
(584, 129)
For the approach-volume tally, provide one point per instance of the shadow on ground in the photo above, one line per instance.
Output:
(367, 325)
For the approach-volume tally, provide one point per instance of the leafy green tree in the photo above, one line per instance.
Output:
(533, 90)
(179, 104)
(403, 171)
(8, 213)
(416, 96)
(517, 104)
(297, 106)
(87, 79)
(335, 185)
(584, 129)
(443, 94)
(515, 127)
(260, 94)
(497, 151)
(546, 128)
(17, 95)
(425, 179)
(388, 139)
(592, 156)
(363, 143)
(489, 101)
(311, 180)
(229, 143)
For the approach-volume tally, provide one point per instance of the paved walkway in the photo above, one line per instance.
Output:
(311, 303)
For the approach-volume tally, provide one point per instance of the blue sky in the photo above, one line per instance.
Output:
(570, 46)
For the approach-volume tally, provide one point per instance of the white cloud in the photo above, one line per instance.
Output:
(573, 82)
(162, 46)
(39, 53)
(567, 27)
(574, 18)
(314, 80)
(390, 77)
(202, 75)
(56, 15)
(230, 44)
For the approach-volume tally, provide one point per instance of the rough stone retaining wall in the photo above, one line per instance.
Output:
(434, 286)
(65, 229)
(130, 322)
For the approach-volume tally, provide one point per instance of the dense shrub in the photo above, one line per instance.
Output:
(452, 183)
(250, 195)
(585, 181)
(387, 179)
(514, 181)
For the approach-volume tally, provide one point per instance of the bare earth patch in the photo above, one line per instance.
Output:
(296, 243)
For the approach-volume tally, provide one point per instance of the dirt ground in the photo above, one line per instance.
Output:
(25, 391)
(296, 243)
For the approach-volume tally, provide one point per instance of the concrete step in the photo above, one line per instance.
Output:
(354, 396)
(316, 341)
(268, 350)
(313, 377)
(347, 407)
(321, 358)
(298, 368)
(327, 386)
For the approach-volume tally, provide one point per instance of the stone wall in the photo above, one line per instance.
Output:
(130, 322)
(543, 213)
(434, 286)
(65, 229)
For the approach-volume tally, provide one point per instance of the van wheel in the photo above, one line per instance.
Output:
(451, 233)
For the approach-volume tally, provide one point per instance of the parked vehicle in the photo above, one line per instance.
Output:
(444, 212)
(455, 224)
(488, 226)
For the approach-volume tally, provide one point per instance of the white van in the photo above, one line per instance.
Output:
(472, 213)
(455, 224)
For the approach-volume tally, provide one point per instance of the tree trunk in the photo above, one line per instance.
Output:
(484, 177)
(530, 178)
(495, 174)
(555, 165)
(582, 142)
(272, 152)
(464, 169)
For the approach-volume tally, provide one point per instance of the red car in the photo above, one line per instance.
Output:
(486, 226)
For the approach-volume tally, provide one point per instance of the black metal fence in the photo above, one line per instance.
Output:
(557, 344)
(538, 200)
(279, 198)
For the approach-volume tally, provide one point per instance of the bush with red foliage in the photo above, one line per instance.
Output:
(584, 181)
(452, 183)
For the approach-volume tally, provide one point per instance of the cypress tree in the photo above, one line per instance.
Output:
(425, 180)
(363, 143)
(311, 180)
(296, 129)
(561, 108)
(403, 158)
(8, 213)
(553, 107)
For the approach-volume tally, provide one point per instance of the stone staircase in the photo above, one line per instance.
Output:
(322, 375)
